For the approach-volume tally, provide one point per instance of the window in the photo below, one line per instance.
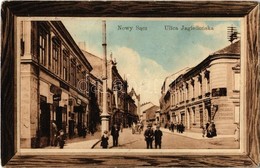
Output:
(55, 55)
(236, 117)
(193, 88)
(237, 81)
(187, 91)
(65, 65)
(42, 47)
(73, 72)
(79, 77)
(206, 73)
(199, 85)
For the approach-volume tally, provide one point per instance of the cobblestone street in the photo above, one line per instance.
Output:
(170, 140)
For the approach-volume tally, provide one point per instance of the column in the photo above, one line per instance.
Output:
(26, 31)
(104, 116)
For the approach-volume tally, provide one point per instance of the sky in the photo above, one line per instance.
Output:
(149, 50)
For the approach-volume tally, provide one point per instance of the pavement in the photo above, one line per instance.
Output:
(93, 142)
(195, 135)
(79, 142)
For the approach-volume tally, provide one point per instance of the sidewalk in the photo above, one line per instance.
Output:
(194, 135)
(122, 136)
(93, 142)
(80, 142)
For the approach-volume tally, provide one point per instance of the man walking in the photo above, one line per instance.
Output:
(115, 134)
(148, 134)
(158, 137)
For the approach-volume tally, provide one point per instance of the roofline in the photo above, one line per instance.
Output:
(204, 64)
(152, 107)
(208, 60)
(60, 27)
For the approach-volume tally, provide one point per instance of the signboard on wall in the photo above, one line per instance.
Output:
(56, 97)
(219, 92)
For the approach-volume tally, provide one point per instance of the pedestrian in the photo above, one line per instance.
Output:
(84, 130)
(214, 130)
(178, 128)
(181, 128)
(211, 131)
(115, 134)
(104, 140)
(148, 134)
(158, 137)
(61, 138)
(91, 128)
(237, 133)
(54, 131)
(121, 127)
(172, 127)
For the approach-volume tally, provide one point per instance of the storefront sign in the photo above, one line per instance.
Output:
(56, 97)
(56, 90)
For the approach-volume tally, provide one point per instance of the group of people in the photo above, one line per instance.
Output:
(179, 127)
(58, 137)
(137, 127)
(151, 135)
(115, 134)
(209, 130)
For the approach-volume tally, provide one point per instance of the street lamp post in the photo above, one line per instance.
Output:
(104, 116)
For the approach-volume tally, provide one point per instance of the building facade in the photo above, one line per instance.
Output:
(121, 107)
(133, 107)
(208, 92)
(53, 82)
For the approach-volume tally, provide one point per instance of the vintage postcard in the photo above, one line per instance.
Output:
(130, 84)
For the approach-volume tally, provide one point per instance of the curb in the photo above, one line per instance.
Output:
(93, 146)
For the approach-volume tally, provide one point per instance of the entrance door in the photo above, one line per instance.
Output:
(183, 118)
(59, 118)
(201, 118)
(44, 122)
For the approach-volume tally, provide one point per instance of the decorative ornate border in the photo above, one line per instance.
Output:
(13, 9)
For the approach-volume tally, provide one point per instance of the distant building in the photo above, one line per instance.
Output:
(208, 92)
(148, 111)
(134, 101)
(53, 82)
(121, 106)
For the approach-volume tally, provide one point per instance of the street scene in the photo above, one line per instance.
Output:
(170, 140)
(108, 83)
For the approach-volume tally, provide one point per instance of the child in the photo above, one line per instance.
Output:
(104, 140)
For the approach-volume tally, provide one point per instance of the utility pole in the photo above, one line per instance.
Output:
(104, 116)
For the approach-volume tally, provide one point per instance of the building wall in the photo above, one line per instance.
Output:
(192, 101)
(38, 108)
(29, 106)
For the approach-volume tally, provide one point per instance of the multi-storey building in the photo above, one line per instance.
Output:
(116, 89)
(165, 100)
(149, 113)
(133, 107)
(53, 82)
(208, 92)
